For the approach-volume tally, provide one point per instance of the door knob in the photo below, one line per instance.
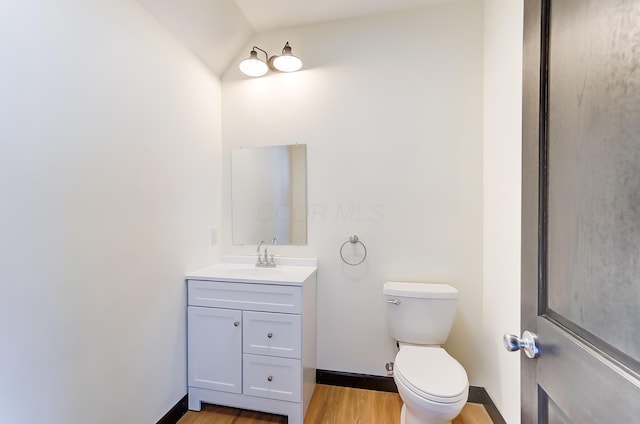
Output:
(528, 343)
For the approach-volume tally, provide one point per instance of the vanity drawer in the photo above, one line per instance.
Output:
(247, 296)
(272, 377)
(272, 334)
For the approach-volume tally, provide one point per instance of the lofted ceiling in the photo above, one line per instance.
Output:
(215, 30)
(266, 15)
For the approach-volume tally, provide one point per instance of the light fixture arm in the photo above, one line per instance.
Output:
(266, 55)
(267, 59)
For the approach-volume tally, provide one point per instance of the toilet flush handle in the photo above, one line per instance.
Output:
(395, 301)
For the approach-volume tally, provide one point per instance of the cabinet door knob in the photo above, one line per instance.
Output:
(270, 335)
(269, 378)
(236, 323)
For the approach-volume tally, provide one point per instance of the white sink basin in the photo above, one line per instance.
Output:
(254, 270)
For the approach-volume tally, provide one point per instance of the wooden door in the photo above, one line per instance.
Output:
(581, 211)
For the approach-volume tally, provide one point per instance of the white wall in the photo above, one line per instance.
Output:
(390, 108)
(109, 174)
(213, 30)
(502, 170)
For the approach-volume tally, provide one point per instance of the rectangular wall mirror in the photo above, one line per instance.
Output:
(269, 194)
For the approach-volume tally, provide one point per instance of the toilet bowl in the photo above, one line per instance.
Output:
(433, 385)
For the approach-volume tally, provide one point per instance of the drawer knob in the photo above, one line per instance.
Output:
(236, 323)
(270, 335)
(269, 378)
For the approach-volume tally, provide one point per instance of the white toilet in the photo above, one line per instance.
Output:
(432, 384)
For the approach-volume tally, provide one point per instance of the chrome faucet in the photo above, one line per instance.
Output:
(265, 261)
(259, 263)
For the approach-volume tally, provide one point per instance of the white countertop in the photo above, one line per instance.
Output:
(289, 271)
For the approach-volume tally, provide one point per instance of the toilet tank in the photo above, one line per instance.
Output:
(420, 313)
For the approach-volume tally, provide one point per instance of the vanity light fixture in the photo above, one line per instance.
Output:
(255, 67)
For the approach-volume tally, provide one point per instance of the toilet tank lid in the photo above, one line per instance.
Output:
(420, 290)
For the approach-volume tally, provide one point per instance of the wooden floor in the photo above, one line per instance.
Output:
(332, 405)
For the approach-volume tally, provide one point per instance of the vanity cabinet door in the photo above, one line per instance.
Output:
(215, 349)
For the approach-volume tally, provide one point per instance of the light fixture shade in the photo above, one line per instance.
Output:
(252, 66)
(287, 62)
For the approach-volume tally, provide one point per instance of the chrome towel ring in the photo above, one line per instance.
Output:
(353, 240)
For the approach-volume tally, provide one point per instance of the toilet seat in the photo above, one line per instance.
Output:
(431, 373)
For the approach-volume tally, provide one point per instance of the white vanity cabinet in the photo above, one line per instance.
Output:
(252, 339)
